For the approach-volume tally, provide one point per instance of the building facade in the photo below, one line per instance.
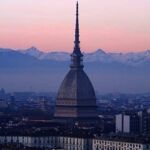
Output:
(100, 144)
(144, 121)
(74, 143)
(128, 123)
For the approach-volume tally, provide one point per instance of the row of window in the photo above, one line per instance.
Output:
(74, 142)
(114, 148)
(117, 143)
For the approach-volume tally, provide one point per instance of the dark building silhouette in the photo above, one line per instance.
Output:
(76, 98)
(144, 121)
(2, 94)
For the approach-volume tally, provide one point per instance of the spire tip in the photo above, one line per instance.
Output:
(77, 4)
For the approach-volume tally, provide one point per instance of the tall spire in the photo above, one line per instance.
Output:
(77, 55)
(77, 41)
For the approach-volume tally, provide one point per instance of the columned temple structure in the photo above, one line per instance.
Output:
(76, 100)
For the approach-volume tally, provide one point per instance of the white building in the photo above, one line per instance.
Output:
(122, 123)
(127, 123)
(99, 144)
(67, 143)
(30, 141)
(73, 143)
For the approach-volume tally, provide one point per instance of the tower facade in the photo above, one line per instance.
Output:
(76, 98)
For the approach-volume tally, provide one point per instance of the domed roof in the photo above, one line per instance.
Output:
(76, 85)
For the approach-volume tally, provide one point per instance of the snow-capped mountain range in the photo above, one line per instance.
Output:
(109, 72)
(132, 58)
(57, 56)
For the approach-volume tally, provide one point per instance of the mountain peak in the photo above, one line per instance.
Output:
(147, 51)
(32, 49)
(100, 51)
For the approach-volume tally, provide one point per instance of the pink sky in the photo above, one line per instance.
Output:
(113, 25)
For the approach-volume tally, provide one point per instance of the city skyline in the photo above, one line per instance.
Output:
(56, 93)
(113, 26)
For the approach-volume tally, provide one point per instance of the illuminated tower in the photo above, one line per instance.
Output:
(76, 98)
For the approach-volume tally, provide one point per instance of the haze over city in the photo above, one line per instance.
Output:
(58, 94)
(116, 27)
(49, 25)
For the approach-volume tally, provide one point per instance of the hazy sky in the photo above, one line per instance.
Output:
(113, 25)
